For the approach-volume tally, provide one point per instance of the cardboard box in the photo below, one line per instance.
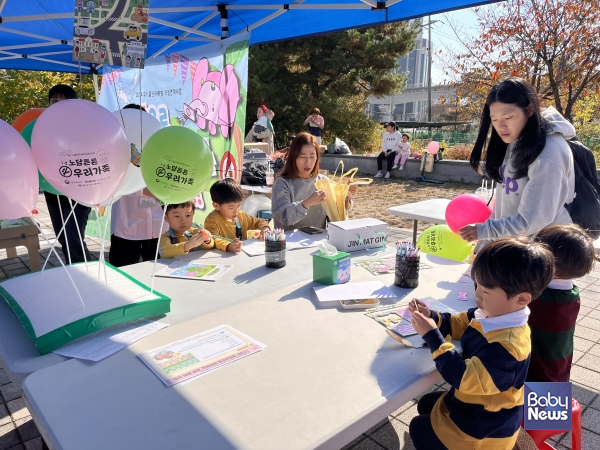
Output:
(358, 234)
(331, 269)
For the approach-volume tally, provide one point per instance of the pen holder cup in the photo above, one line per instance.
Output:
(275, 254)
(407, 271)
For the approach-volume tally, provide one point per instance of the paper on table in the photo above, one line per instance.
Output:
(200, 354)
(293, 240)
(353, 291)
(103, 343)
(253, 247)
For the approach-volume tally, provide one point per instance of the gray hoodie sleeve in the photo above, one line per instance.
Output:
(542, 198)
(285, 210)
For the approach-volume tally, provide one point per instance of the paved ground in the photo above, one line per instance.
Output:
(18, 432)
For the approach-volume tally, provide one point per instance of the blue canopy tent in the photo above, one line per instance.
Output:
(37, 34)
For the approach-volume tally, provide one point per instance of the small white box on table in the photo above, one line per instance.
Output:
(358, 234)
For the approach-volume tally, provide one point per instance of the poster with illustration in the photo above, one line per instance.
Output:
(202, 89)
(111, 32)
(194, 271)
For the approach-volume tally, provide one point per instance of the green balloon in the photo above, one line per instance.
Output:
(441, 241)
(26, 133)
(177, 164)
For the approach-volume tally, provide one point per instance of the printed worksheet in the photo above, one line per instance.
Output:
(194, 270)
(199, 354)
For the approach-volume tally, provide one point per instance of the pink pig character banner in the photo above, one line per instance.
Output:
(203, 89)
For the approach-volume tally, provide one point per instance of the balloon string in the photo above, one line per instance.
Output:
(100, 256)
(112, 70)
(156, 255)
(52, 249)
(103, 239)
(52, 245)
(64, 225)
(79, 234)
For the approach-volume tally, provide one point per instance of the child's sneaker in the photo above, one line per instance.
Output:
(378, 175)
(401, 168)
(387, 175)
(395, 166)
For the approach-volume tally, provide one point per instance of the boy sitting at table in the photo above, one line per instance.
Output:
(554, 312)
(182, 237)
(484, 407)
(228, 221)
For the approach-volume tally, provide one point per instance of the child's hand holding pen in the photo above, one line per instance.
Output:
(194, 241)
(416, 304)
(206, 234)
(234, 246)
(422, 324)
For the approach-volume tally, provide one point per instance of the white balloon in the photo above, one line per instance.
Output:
(139, 126)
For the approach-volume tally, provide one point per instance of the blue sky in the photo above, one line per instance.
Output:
(442, 35)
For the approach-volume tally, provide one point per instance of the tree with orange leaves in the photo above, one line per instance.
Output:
(553, 44)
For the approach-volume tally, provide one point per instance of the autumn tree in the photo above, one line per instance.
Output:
(23, 90)
(553, 44)
(334, 72)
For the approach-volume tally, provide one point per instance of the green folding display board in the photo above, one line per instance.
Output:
(52, 314)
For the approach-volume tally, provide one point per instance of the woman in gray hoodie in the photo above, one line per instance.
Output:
(528, 157)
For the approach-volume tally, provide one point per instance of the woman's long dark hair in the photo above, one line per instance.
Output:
(533, 136)
(290, 170)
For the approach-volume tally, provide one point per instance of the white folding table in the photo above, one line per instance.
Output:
(428, 210)
(326, 376)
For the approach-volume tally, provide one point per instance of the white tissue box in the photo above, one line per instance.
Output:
(358, 234)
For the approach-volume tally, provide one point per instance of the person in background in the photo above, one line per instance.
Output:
(228, 220)
(136, 224)
(72, 239)
(295, 201)
(554, 313)
(390, 146)
(315, 123)
(182, 238)
(402, 153)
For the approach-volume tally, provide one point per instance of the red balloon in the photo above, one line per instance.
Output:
(466, 209)
(27, 117)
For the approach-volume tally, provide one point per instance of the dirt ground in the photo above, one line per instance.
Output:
(373, 200)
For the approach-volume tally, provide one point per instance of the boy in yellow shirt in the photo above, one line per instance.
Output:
(228, 220)
(182, 237)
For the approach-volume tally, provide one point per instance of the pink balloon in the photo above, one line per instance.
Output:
(18, 175)
(81, 149)
(433, 147)
(466, 209)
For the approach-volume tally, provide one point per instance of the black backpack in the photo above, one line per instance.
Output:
(585, 207)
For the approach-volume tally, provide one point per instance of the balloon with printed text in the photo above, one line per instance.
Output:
(26, 133)
(466, 209)
(177, 164)
(18, 175)
(82, 150)
(441, 241)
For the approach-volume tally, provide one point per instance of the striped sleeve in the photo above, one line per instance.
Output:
(490, 372)
(453, 324)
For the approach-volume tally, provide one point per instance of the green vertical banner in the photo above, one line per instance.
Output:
(203, 89)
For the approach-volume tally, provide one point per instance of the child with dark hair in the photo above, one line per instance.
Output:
(315, 123)
(402, 153)
(182, 237)
(554, 312)
(228, 220)
(529, 158)
(484, 407)
(61, 92)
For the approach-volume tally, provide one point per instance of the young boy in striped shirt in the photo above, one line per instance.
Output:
(484, 407)
(554, 312)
